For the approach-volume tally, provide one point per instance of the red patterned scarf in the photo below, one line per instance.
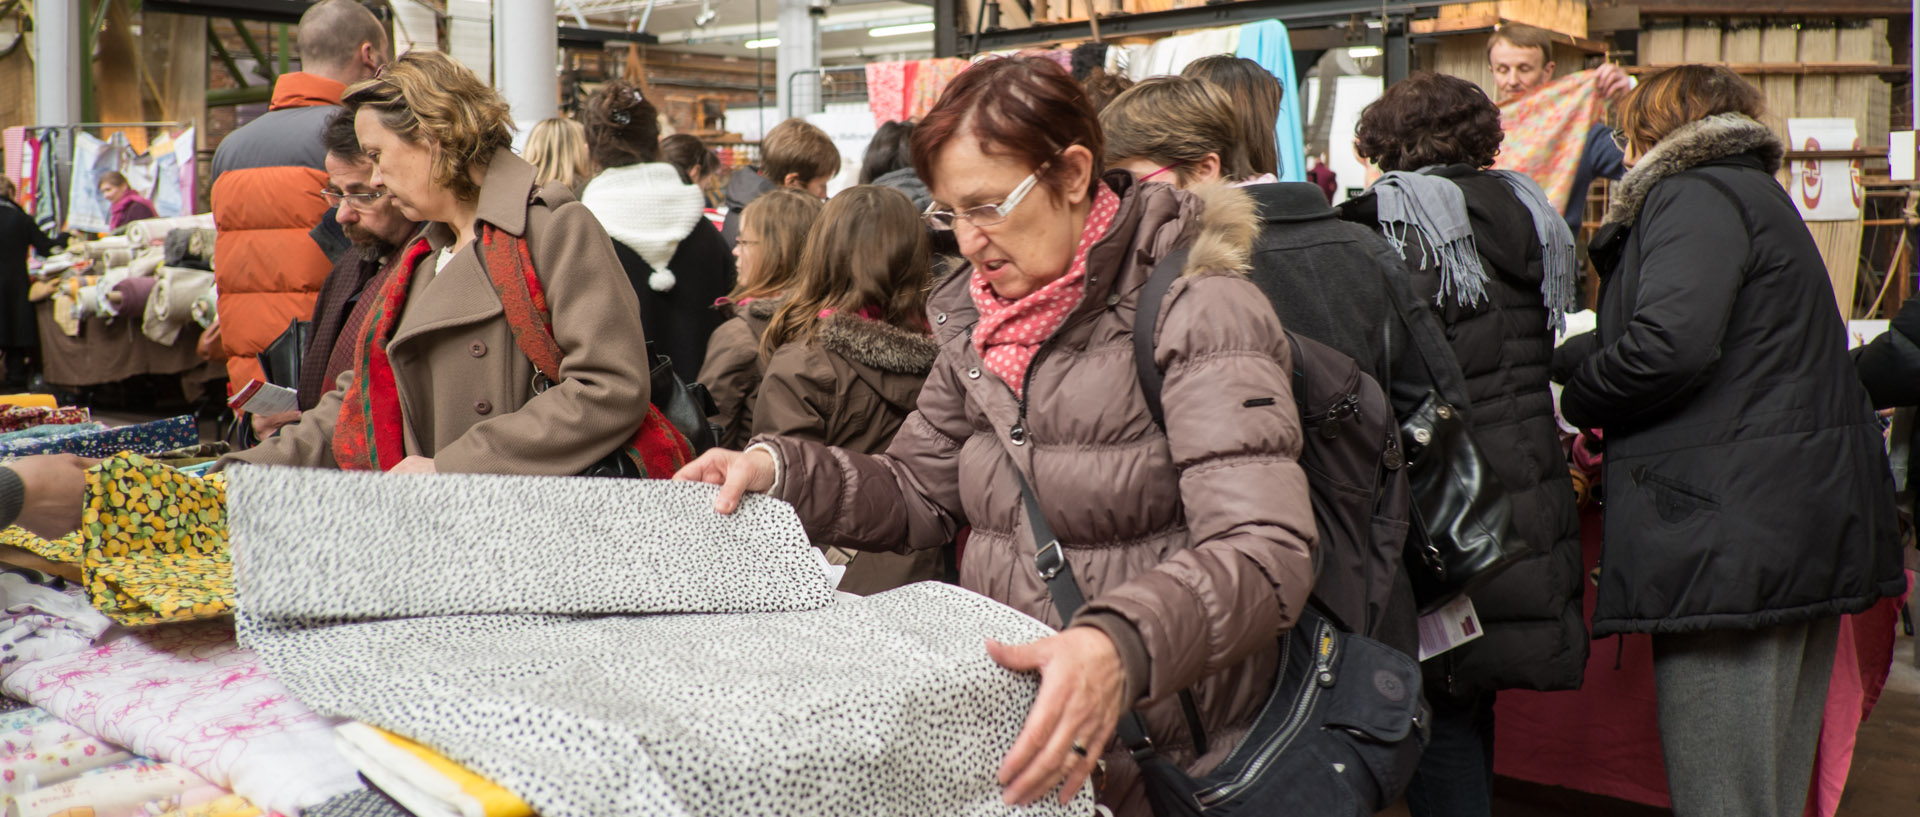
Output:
(1010, 332)
(370, 433)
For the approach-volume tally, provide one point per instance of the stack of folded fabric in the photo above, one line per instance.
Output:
(94, 440)
(598, 647)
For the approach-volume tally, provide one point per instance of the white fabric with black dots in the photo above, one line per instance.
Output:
(353, 594)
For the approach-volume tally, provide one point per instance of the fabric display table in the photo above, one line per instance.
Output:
(127, 305)
(484, 645)
(106, 353)
(1604, 739)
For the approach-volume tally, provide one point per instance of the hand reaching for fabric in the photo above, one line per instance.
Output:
(264, 425)
(415, 465)
(56, 488)
(737, 473)
(1073, 717)
(1613, 80)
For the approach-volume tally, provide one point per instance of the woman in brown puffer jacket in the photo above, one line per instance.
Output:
(773, 232)
(849, 349)
(1193, 546)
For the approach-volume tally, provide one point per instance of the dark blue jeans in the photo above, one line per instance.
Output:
(1455, 777)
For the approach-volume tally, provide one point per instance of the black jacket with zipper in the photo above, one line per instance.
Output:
(1746, 481)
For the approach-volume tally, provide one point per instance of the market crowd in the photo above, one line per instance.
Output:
(918, 362)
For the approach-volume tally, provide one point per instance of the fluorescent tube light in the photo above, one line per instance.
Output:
(900, 31)
(770, 42)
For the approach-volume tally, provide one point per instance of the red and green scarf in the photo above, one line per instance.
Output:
(370, 434)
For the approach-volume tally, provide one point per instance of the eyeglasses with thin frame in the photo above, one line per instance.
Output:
(1619, 140)
(358, 201)
(985, 215)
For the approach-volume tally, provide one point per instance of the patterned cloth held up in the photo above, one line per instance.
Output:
(1547, 132)
(1010, 331)
(370, 434)
(155, 543)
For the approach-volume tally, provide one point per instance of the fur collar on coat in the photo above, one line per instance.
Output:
(1693, 144)
(878, 345)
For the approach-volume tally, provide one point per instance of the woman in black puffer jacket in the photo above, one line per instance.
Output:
(1749, 502)
(1499, 327)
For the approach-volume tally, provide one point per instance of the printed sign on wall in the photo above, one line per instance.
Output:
(1824, 189)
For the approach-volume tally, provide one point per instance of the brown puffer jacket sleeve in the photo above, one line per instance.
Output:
(1235, 437)
(731, 373)
(909, 495)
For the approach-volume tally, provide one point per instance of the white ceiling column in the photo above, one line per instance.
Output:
(799, 51)
(56, 61)
(526, 58)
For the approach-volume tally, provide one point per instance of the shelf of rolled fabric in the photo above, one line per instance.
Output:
(126, 306)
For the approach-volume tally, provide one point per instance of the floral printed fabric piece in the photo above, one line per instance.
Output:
(65, 550)
(128, 789)
(189, 695)
(51, 752)
(155, 543)
(146, 438)
(888, 86)
(1547, 132)
(40, 622)
(1010, 332)
(930, 80)
(15, 418)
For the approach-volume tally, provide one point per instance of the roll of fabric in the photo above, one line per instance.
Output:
(170, 305)
(155, 230)
(184, 248)
(206, 308)
(119, 257)
(134, 293)
(146, 262)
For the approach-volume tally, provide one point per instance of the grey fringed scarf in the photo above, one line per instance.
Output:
(1435, 208)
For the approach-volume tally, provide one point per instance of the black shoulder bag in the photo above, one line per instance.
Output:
(1340, 734)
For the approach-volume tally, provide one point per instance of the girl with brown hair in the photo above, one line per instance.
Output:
(773, 233)
(848, 351)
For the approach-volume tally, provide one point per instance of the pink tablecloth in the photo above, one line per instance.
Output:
(1604, 739)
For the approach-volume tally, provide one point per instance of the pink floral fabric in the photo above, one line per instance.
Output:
(188, 694)
(1547, 132)
(1010, 332)
(929, 81)
(888, 87)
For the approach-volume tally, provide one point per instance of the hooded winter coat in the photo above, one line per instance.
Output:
(1534, 638)
(851, 386)
(1747, 483)
(676, 261)
(734, 368)
(745, 185)
(1193, 546)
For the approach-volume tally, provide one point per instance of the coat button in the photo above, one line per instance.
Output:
(940, 319)
(478, 349)
(1113, 299)
(483, 407)
(973, 373)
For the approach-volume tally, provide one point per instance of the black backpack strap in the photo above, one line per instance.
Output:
(1051, 562)
(1146, 315)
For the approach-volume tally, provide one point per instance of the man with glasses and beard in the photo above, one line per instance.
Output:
(378, 231)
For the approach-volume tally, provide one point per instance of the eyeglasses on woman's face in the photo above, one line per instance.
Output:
(1619, 140)
(985, 215)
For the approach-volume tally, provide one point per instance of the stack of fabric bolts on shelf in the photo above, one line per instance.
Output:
(155, 276)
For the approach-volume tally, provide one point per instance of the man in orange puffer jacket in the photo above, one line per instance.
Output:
(267, 178)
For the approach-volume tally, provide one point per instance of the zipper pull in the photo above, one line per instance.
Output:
(1018, 434)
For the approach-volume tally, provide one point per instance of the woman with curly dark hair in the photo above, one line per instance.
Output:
(1493, 261)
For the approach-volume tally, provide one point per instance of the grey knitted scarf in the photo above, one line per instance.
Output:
(1557, 285)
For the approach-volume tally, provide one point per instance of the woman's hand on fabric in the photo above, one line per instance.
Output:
(737, 473)
(415, 465)
(1081, 682)
(55, 486)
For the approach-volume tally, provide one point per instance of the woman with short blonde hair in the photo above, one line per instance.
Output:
(1719, 370)
(455, 371)
(1174, 129)
(557, 148)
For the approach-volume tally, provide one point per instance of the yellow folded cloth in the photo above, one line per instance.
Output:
(29, 400)
(420, 780)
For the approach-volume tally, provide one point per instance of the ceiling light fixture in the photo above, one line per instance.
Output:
(706, 16)
(1361, 52)
(770, 42)
(900, 31)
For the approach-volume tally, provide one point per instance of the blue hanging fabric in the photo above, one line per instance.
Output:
(1266, 42)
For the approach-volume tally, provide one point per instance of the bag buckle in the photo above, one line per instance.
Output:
(1050, 560)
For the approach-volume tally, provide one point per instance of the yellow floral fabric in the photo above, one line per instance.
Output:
(155, 543)
(65, 549)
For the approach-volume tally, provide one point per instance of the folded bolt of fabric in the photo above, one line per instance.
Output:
(155, 543)
(49, 432)
(474, 543)
(232, 805)
(128, 789)
(187, 694)
(40, 622)
(17, 418)
(145, 438)
(52, 763)
(29, 400)
(420, 779)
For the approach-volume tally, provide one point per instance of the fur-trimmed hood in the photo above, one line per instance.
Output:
(877, 345)
(1693, 144)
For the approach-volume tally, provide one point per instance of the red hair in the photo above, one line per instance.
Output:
(1028, 108)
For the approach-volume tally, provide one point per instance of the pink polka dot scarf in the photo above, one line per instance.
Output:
(1010, 332)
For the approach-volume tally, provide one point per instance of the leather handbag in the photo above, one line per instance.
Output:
(280, 361)
(1339, 736)
(1463, 533)
(686, 405)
